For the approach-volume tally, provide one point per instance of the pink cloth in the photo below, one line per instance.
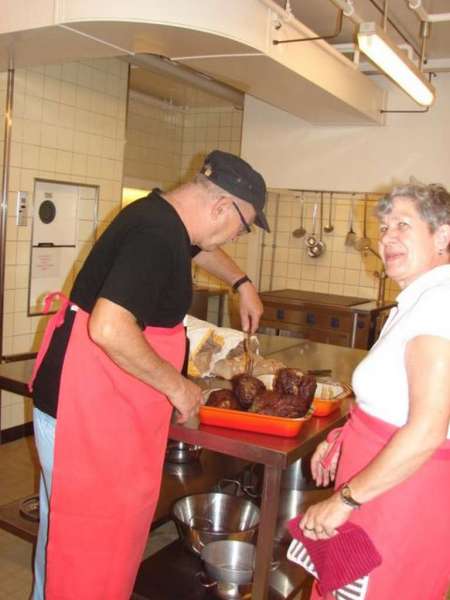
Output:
(409, 524)
(341, 559)
(111, 435)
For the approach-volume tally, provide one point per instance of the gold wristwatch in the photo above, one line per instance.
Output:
(345, 494)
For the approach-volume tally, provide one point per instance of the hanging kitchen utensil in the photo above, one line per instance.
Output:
(364, 243)
(350, 238)
(329, 228)
(318, 248)
(300, 232)
(311, 239)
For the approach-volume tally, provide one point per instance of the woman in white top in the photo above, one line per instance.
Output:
(391, 461)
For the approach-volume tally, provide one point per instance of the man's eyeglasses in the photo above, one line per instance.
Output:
(246, 226)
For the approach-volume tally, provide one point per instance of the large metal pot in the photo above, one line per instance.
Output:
(182, 453)
(295, 477)
(292, 503)
(229, 561)
(205, 518)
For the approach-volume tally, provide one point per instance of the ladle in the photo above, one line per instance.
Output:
(311, 239)
(300, 232)
(318, 248)
(329, 228)
(364, 243)
(350, 238)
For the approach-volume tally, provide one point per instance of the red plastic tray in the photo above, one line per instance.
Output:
(247, 421)
(325, 406)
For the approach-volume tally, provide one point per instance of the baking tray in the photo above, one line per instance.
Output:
(247, 421)
(324, 405)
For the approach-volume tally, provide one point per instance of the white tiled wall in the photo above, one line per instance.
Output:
(340, 269)
(68, 125)
(206, 129)
(154, 142)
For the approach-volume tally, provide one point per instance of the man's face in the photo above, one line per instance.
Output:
(230, 218)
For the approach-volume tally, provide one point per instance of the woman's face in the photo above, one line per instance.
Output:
(406, 245)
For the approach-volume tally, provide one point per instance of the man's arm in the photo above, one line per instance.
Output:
(219, 264)
(115, 331)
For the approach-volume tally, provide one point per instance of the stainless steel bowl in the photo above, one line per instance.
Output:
(182, 453)
(226, 591)
(229, 561)
(205, 518)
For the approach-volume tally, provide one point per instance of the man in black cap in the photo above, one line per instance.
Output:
(108, 375)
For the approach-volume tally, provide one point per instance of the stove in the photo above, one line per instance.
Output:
(327, 318)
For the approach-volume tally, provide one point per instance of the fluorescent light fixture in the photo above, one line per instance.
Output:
(376, 45)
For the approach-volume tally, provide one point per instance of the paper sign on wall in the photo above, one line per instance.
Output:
(46, 262)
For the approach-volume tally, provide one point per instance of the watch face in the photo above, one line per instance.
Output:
(346, 492)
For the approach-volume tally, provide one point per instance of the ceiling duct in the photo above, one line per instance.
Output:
(167, 67)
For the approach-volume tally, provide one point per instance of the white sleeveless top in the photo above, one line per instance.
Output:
(379, 381)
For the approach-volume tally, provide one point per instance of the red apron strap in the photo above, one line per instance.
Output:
(335, 438)
(56, 321)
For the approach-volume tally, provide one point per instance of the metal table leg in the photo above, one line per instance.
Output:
(266, 533)
(220, 310)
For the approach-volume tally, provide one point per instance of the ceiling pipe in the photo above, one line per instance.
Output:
(166, 66)
(349, 10)
(416, 6)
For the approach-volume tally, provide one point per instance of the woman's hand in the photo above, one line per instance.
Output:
(321, 520)
(323, 476)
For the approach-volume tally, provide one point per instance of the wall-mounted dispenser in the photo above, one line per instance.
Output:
(21, 209)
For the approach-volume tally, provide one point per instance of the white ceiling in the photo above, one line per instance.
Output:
(320, 16)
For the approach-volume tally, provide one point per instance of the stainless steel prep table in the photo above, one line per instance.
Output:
(275, 453)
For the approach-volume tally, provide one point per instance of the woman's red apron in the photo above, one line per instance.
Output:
(111, 436)
(409, 524)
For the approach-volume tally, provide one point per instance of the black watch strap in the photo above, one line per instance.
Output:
(345, 494)
(237, 284)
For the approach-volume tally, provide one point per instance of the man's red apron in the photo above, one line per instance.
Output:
(409, 524)
(111, 435)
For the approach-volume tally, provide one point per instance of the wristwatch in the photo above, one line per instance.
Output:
(237, 284)
(345, 494)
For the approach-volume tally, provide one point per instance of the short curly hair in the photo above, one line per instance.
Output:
(432, 202)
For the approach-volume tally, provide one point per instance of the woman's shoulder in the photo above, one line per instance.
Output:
(429, 315)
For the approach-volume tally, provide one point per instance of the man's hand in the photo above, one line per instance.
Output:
(250, 307)
(186, 400)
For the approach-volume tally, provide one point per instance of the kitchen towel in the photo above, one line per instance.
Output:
(348, 556)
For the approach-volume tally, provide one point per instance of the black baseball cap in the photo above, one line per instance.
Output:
(237, 177)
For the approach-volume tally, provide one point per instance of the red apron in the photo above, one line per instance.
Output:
(409, 524)
(111, 436)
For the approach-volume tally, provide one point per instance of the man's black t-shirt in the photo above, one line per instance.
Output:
(142, 262)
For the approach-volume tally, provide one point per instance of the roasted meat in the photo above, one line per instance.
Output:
(246, 388)
(288, 381)
(223, 399)
(279, 403)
